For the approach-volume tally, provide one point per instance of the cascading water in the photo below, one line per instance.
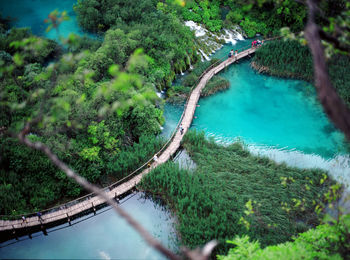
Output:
(208, 41)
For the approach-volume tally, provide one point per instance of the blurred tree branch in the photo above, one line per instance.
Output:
(330, 100)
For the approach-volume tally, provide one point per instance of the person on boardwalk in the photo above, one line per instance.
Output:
(24, 219)
(155, 158)
(39, 216)
(236, 54)
(181, 129)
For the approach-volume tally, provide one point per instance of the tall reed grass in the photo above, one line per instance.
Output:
(292, 60)
(210, 201)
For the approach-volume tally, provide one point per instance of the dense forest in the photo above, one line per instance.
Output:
(93, 102)
(72, 87)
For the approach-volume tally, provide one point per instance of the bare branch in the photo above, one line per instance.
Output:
(92, 188)
(336, 43)
(332, 103)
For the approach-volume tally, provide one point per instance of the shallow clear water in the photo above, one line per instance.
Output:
(32, 13)
(269, 111)
(103, 236)
(172, 114)
(278, 118)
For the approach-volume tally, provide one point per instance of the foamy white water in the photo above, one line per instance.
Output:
(338, 167)
(197, 28)
(203, 54)
(209, 39)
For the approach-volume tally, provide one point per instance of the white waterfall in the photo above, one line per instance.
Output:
(203, 54)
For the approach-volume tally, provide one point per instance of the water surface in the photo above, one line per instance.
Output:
(274, 117)
(105, 236)
(32, 13)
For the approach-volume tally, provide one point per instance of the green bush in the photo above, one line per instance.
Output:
(214, 85)
(327, 241)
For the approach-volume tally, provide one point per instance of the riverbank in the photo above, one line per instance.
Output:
(210, 201)
(290, 59)
(182, 86)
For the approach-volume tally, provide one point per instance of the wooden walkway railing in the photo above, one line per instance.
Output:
(90, 202)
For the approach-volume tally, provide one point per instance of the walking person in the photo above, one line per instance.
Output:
(39, 216)
(24, 220)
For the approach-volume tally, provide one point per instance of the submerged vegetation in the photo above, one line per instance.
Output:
(231, 190)
(292, 60)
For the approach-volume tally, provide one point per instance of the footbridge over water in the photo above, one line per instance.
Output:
(15, 226)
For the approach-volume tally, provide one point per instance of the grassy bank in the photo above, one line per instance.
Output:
(291, 60)
(211, 202)
(179, 93)
(214, 85)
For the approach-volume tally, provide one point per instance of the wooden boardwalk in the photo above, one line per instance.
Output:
(65, 213)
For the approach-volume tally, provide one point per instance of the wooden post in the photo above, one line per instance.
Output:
(93, 207)
(43, 229)
(68, 219)
(14, 232)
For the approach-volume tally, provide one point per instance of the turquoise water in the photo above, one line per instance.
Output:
(269, 111)
(32, 13)
(104, 236)
(172, 114)
(274, 117)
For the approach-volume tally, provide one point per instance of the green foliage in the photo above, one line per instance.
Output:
(177, 94)
(211, 201)
(32, 48)
(293, 60)
(80, 43)
(285, 59)
(266, 17)
(65, 105)
(138, 24)
(28, 179)
(205, 12)
(324, 242)
(214, 85)
(251, 27)
(131, 157)
(143, 120)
